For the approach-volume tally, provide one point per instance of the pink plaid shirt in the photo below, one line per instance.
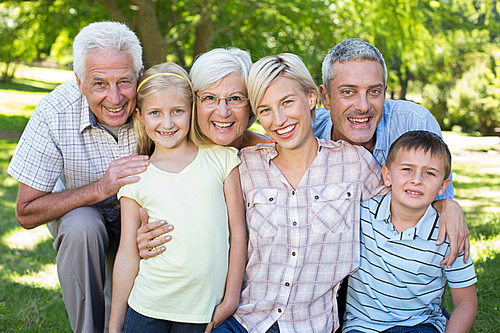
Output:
(304, 241)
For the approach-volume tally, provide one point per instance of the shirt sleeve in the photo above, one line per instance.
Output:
(37, 160)
(232, 160)
(460, 275)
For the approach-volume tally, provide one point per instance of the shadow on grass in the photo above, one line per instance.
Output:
(488, 295)
(29, 85)
(13, 122)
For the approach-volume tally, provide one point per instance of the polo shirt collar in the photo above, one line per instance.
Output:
(424, 226)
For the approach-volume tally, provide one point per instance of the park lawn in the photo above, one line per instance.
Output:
(31, 302)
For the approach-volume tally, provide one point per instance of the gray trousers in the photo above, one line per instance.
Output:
(86, 250)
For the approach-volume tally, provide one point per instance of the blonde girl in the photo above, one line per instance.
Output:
(195, 186)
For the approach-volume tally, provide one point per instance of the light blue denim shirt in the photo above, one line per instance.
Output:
(399, 117)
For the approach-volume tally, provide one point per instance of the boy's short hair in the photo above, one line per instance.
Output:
(427, 141)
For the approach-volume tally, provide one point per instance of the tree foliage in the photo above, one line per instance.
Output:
(427, 44)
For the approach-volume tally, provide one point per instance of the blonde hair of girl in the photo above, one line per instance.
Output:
(160, 77)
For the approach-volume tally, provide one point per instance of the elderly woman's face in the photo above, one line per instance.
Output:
(222, 124)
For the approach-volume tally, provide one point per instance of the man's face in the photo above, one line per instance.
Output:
(356, 101)
(109, 86)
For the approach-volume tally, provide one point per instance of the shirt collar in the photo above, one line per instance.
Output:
(424, 226)
(381, 143)
(87, 117)
(273, 152)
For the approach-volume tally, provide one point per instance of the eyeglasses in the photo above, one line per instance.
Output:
(231, 101)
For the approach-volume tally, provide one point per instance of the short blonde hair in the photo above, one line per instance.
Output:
(151, 82)
(267, 70)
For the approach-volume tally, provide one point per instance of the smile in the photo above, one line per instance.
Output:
(414, 192)
(222, 126)
(359, 120)
(115, 110)
(286, 130)
(167, 133)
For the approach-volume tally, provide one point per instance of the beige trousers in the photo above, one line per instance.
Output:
(86, 250)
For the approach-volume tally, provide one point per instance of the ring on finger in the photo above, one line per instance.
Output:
(147, 247)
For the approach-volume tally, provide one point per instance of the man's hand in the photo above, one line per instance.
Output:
(147, 245)
(121, 172)
(452, 223)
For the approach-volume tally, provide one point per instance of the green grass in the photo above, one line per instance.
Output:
(27, 305)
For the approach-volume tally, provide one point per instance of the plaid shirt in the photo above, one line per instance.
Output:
(63, 143)
(304, 241)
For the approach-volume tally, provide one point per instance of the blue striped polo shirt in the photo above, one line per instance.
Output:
(400, 281)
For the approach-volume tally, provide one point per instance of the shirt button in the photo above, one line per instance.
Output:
(294, 223)
(316, 197)
(248, 204)
(287, 284)
(279, 310)
(271, 199)
(348, 194)
(293, 192)
(320, 148)
(294, 254)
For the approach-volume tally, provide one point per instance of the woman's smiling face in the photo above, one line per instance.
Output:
(221, 124)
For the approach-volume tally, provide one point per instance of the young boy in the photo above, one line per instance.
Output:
(399, 284)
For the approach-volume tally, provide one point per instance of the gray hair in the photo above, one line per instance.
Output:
(267, 70)
(105, 36)
(210, 68)
(350, 49)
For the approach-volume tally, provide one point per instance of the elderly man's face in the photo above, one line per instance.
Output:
(110, 86)
(356, 102)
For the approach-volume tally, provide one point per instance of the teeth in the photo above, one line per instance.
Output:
(222, 125)
(115, 110)
(413, 192)
(285, 130)
(166, 133)
(359, 120)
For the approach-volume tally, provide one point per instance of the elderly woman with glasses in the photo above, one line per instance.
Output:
(224, 115)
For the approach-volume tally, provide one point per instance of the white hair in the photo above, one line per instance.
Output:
(211, 67)
(350, 49)
(112, 37)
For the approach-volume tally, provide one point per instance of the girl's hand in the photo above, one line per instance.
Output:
(222, 311)
(148, 246)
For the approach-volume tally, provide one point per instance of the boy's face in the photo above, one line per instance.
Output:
(416, 178)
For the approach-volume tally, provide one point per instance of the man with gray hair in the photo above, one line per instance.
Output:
(356, 110)
(74, 155)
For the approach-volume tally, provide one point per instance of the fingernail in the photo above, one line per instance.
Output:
(170, 227)
(162, 222)
(168, 238)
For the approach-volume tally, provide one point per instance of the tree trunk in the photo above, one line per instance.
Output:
(203, 33)
(150, 36)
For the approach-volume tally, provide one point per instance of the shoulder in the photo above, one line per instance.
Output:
(398, 108)
(322, 128)
(251, 138)
(62, 98)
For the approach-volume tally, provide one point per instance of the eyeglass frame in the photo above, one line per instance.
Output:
(246, 99)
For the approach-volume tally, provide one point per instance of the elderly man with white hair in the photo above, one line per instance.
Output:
(74, 155)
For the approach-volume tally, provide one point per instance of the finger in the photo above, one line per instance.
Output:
(448, 261)
(441, 234)
(132, 158)
(154, 243)
(145, 254)
(144, 218)
(467, 249)
(209, 327)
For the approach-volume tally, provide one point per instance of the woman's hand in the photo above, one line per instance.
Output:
(148, 246)
(222, 311)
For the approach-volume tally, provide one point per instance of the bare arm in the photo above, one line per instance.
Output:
(126, 264)
(237, 251)
(35, 207)
(452, 222)
(465, 310)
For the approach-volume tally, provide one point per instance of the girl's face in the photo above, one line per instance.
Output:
(285, 113)
(166, 116)
(222, 124)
